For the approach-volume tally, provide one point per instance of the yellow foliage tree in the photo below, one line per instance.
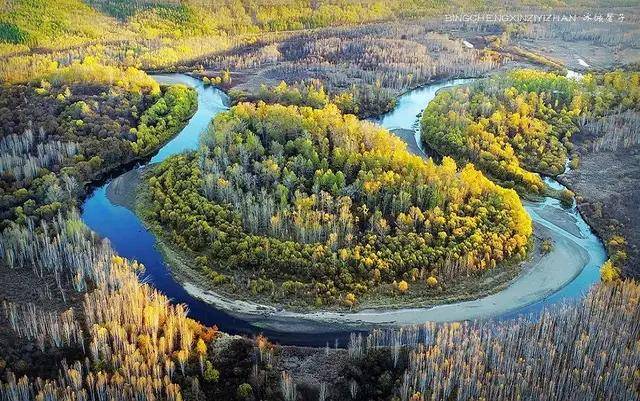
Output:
(350, 299)
(201, 347)
(608, 272)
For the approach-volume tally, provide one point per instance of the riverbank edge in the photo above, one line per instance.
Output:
(109, 173)
(493, 281)
(277, 316)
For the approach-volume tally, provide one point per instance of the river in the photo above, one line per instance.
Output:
(568, 271)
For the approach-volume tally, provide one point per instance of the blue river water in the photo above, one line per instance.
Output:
(132, 240)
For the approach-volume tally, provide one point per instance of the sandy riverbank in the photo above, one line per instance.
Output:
(541, 276)
(407, 135)
(122, 192)
(539, 279)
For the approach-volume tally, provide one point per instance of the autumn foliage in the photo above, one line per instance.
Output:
(516, 125)
(317, 204)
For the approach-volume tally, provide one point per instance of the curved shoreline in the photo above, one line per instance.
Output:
(491, 306)
(538, 280)
(567, 258)
(566, 261)
(568, 270)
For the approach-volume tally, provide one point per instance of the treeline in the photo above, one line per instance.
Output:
(317, 204)
(232, 17)
(74, 126)
(392, 56)
(91, 72)
(134, 344)
(74, 21)
(568, 353)
(521, 123)
(362, 101)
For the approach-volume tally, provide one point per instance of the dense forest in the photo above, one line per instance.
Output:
(191, 33)
(517, 125)
(166, 33)
(74, 126)
(126, 340)
(139, 346)
(291, 198)
(521, 123)
(25, 22)
(311, 202)
(360, 100)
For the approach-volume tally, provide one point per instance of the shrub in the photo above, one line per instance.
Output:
(350, 299)
(566, 197)
(608, 272)
(245, 391)
(211, 375)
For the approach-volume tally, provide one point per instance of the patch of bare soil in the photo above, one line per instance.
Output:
(313, 366)
(407, 135)
(22, 286)
(608, 187)
(575, 54)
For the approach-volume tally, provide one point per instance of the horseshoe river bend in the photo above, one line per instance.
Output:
(568, 271)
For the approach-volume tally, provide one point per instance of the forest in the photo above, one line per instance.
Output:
(505, 361)
(313, 203)
(126, 340)
(365, 67)
(75, 126)
(520, 124)
(293, 199)
(36, 23)
(515, 126)
(23, 20)
(360, 100)
(164, 33)
(139, 346)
